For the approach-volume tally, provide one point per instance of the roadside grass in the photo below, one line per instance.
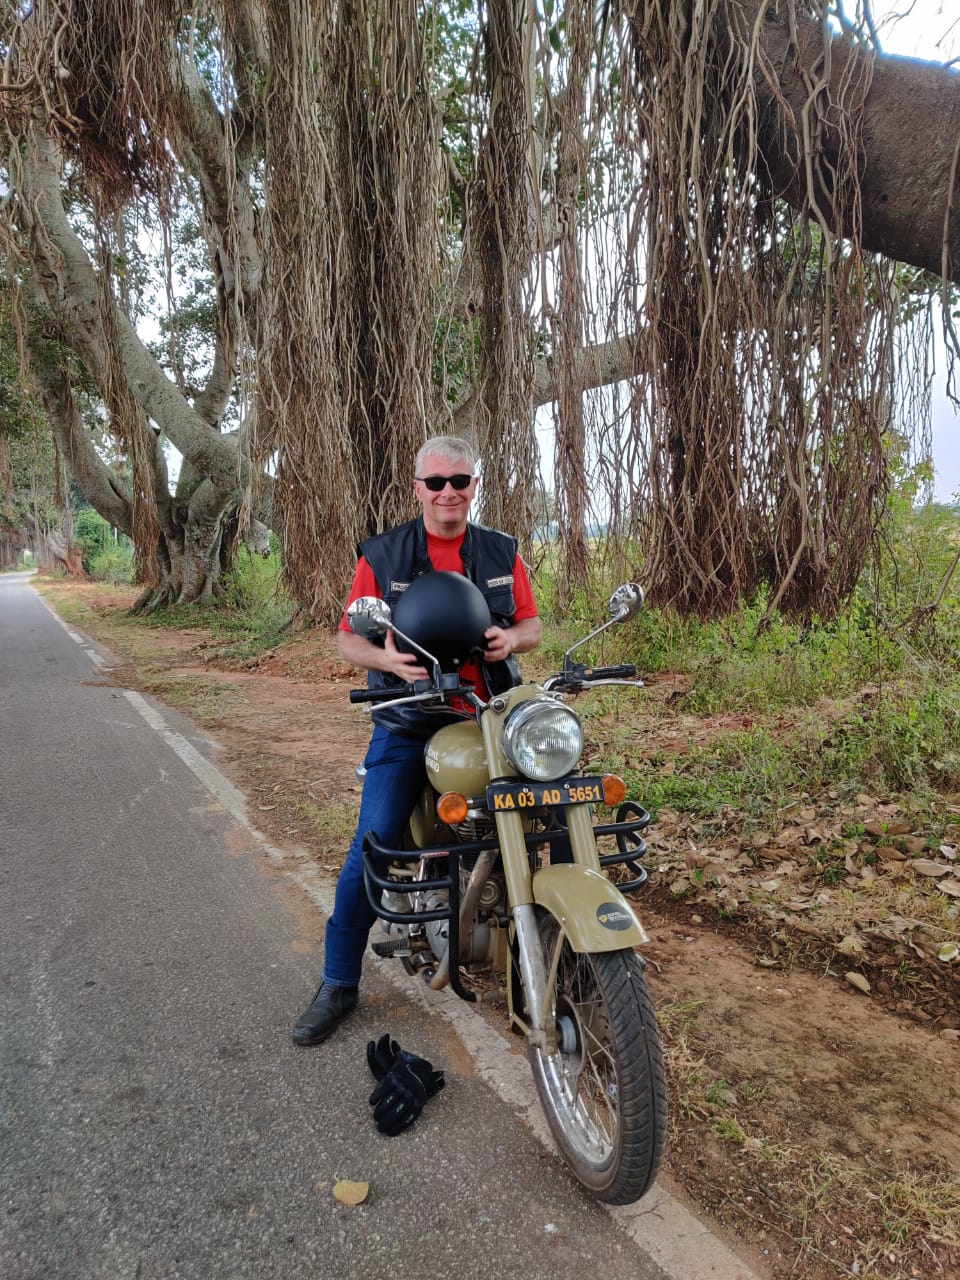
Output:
(855, 1216)
(73, 605)
(906, 740)
(332, 822)
(252, 617)
(206, 701)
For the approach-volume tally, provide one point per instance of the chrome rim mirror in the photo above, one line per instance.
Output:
(369, 616)
(626, 601)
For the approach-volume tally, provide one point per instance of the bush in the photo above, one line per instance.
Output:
(255, 607)
(252, 583)
(93, 534)
(113, 564)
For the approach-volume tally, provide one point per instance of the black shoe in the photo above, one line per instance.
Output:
(327, 1008)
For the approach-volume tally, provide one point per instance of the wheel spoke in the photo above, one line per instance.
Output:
(602, 1086)
(586, 1077)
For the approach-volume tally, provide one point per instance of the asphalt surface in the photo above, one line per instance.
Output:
(155, 1120)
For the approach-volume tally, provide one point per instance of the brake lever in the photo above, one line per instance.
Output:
(557, 684)
(593, 684)
(433, 694)
(578, 676)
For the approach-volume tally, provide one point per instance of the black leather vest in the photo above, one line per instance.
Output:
(400, 555)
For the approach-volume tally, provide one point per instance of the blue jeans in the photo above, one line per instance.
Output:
(395, 775)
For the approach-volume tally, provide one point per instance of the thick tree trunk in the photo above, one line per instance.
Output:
(102, 487)
(67, 554)
(193, 558)
(12, 546)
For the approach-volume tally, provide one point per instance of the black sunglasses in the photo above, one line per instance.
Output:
(436, 484)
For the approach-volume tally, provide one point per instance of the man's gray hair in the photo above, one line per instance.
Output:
(453, 448)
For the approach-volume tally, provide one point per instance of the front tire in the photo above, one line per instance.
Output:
(603, 1090)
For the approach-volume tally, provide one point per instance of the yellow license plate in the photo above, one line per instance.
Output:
(507, 797)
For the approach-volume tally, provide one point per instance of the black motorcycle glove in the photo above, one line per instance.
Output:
(382, 1055)
(400, 1096)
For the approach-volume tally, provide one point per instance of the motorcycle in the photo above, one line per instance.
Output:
(474, 888)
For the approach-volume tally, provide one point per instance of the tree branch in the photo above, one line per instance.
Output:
(909, 119)
(71, 289)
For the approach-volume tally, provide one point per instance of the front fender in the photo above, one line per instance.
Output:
(594, 914)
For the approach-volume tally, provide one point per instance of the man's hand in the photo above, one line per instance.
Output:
(520, 638)
(499, 644)
(361, 652)
(406, 666)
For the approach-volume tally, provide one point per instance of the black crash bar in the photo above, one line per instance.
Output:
(631, 820)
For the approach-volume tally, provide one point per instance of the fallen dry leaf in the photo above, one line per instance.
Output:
(858, 980)
(851, 945)
(351, 1193)
(927, 867)
(887, 852)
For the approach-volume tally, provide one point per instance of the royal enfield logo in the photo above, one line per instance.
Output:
(613, 917)
(398, 586)
(505, 581)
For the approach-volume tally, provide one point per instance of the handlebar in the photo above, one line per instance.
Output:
(577, 675)
(379, 695)
(624, 671)
(423, 691)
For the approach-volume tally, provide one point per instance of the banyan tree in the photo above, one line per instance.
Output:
(670, 261)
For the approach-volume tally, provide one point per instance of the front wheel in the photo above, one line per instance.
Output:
(603, 1090)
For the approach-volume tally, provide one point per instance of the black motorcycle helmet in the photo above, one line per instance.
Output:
(446, 614)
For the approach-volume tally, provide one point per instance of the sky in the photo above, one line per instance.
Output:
(931, 29)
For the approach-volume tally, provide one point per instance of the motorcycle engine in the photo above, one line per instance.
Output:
(476, 943)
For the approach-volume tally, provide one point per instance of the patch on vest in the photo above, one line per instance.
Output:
(398, 586)
(505, 581)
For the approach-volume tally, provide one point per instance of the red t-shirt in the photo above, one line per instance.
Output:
(444, 554)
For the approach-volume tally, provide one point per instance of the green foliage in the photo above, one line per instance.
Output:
(92, 533)
(250, 614)
(785, 713)
(252, 584)
(752, 773)
(917, 740)
(113, 564)
(107, 556)
(740, 666)
(921, 544)
(254, 609)
(31, 495)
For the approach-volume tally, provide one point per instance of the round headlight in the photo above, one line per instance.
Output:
(542, 740)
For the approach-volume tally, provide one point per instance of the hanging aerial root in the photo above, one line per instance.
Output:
(761, 401)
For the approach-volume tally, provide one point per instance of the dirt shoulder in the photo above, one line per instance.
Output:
(813, 1043)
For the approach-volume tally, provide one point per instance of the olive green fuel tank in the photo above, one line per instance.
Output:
(456, 760)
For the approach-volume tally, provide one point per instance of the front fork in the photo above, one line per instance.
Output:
(591, 913)
(539, 1026)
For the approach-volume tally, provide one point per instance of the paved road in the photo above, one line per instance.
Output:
(155, 1120)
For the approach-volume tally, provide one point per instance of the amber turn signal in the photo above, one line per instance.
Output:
(452, 808)
(614, 789)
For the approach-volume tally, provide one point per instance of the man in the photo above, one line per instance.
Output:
(441, 538)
